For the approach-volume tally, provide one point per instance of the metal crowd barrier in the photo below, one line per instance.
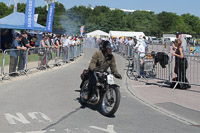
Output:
(15, 61)
(186, 70)
(1, 62)
(161, 65)
(72, 52)
(36, 58)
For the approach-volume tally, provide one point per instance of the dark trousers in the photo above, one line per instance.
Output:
(22, 60)
(92, 83)
(181, 75)
(13, 64)
(180, 69)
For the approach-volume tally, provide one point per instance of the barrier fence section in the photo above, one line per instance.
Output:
(186, 70)
(1, 62)
(159, 63)
(15, 61)
(36, 58)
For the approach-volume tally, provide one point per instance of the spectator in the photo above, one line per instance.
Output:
(136, 45)
(181, 65)
(141, 52)
(16, 45)
(42, 59)
(66, 49)
(183, 44)
(58, 45)
(22, 55)
(72, 48)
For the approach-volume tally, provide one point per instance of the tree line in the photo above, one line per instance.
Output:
(69, 21)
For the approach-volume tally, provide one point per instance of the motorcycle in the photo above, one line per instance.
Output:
(106, 93)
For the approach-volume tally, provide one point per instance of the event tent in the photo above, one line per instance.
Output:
(98, 34)
(16, 20)
(126, 34)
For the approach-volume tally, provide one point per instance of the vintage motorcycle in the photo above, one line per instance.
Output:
(106, 93)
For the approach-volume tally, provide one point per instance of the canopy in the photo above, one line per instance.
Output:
(98, 34)
(16, 20)
(187, 35)
(126, 34)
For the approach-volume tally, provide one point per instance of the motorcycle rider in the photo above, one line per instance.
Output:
(101, 60)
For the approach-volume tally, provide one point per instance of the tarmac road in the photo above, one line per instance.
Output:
(46, 102)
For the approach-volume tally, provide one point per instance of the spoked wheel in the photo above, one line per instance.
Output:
(110, 101)
(84, 90)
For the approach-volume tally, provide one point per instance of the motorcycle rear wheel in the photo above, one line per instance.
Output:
(110, 101)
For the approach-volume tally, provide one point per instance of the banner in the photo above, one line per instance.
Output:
(15, 5)
(81, 30)
(50, 18)
(29, 14)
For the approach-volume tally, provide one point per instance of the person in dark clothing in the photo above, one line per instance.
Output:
(22, 54)
(16, 45)
(181, 65)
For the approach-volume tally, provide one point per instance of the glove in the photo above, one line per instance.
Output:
(118, 76)
(109, 57)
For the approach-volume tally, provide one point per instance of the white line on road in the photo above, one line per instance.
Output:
(110, 129)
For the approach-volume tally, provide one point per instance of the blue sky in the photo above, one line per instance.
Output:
(176, 6)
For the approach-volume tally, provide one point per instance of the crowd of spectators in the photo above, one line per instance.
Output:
(44, 43)
(140, 46)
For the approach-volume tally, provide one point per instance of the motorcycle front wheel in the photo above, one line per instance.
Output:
(110, 101)
(84, 90)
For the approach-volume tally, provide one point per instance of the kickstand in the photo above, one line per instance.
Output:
(175, 86)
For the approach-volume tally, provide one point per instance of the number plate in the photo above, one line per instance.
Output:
(110, 79)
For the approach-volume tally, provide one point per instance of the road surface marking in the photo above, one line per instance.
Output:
(110, 129)
(35, 115)
(20, 118)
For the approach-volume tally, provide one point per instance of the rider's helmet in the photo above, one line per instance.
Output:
(106, 45)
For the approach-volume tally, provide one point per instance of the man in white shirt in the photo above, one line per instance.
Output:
(141, 52)
(184, 43)
(141, 49)
(71, 44)
(66, 49)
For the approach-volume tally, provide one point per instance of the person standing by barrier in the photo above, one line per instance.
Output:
(16, 45)
(72, 48)
(183, 44)
(57, 45)
(81, 44)
(66, 49)
(42, 55)
(141, 52)
(48, 43)
(22, 55)
(181, 65)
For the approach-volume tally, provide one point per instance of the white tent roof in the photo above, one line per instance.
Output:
(98, 33)
(187, 35)
(126, 34)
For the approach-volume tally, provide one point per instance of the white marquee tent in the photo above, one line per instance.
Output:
(126, 34)
(98, 34)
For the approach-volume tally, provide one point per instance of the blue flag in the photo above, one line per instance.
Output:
(29, 14)
(50, 18)
(15, 5)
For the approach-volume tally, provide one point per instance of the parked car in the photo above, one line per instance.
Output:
(155, 40)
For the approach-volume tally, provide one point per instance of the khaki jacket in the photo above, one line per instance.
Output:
(97, 62)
